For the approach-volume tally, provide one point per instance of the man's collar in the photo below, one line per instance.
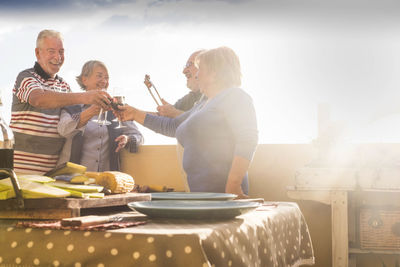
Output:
(39, 70)
(196, 93)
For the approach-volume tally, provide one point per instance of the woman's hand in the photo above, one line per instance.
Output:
(122, 140)
(87, 114)
(129, 113)
(234, 188)
(126, 113)
(238, 170)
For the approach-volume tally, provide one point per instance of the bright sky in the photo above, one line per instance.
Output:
(295, 54)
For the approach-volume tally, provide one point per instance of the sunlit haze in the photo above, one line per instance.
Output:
(294, 56)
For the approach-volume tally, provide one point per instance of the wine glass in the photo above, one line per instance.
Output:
(120, 101)
(100, 120)
(118, 96)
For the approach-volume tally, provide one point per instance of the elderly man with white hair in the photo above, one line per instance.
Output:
(38, 95)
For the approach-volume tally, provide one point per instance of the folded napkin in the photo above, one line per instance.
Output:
(267, 207)
(56, 225)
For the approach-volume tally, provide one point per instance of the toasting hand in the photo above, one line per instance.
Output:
(117, 101)
(129, 113)
(98, 97)
(168, 110)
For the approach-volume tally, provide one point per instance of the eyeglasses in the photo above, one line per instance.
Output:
(188, 64)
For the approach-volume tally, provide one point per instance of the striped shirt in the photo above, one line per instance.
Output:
(37, 142)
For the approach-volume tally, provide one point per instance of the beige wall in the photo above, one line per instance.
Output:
(271, 171)
(154, 165)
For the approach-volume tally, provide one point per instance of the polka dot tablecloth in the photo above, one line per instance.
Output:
(270, 236)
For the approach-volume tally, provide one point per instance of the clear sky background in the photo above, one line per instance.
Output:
(295, 54)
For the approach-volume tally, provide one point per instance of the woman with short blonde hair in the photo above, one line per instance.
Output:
(89, 143)
(219, 134)
(87, 70)
(225, 63)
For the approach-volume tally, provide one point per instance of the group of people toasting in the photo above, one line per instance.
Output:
(215, 123)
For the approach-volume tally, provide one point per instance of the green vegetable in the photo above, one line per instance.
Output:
(31, 190)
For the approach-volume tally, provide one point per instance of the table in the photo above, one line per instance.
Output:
(276, 234)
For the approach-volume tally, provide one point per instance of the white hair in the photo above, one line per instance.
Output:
(45, 34)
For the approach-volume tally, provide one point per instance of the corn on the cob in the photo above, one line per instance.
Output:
(117, 182)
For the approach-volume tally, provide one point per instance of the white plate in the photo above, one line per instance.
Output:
(192, 196)
(193, 209)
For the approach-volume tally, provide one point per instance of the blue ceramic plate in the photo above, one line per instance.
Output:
(191, 196)
(193, 209)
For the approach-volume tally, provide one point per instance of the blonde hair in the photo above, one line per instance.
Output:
(196, 53)
(224, 62)
(87, 70)
(45, 34)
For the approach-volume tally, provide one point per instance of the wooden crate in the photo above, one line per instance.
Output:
(58, 208)
(380, 228)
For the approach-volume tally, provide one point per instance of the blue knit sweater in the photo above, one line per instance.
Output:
(212, 133)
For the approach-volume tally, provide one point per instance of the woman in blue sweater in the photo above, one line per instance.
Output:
(219, 134)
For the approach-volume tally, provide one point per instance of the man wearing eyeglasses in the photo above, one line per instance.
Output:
(189, 100)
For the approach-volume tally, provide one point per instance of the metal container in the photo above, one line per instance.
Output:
(6, 143)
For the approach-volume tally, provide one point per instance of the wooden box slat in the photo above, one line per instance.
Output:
(58, 208)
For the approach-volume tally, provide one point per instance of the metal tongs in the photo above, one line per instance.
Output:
(9, 173)
(150, 86)
(90, 220)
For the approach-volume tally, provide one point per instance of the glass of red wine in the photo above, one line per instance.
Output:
(118, 100)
